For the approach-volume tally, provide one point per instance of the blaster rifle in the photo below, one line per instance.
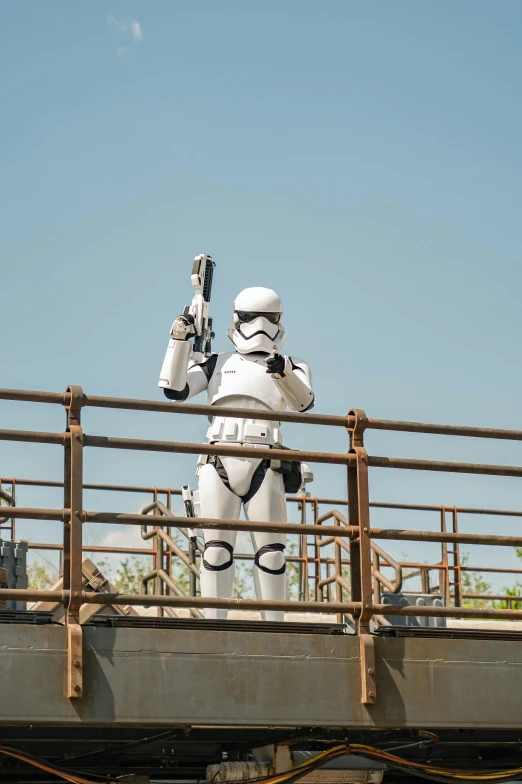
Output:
(186, 493)
(201, 279)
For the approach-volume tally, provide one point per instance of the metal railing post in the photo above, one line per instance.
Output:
(72, 545)
(361, 553)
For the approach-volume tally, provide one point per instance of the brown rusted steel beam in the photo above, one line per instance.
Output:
(257, 604)
(154, 600)
(91, 486)
(223, 450)
(210, 522)
(436, 536)
(496, 597)
(30, 513)
(439, 465)
(34, 396)
(444, 430)
(448, 612)
(97, 549)
(291, 498)
(497, 570)
(37, 513)
(34, 436)
(99, 401)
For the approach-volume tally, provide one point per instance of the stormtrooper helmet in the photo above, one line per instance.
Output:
(256, 324)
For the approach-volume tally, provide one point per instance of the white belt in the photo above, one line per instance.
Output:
(226, 430)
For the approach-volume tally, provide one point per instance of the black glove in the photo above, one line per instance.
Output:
(275, 363)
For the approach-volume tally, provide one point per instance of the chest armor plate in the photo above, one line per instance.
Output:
(237, 375)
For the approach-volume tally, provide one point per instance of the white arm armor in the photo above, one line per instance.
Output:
(295, 385)
(178, 380)
(175, 365)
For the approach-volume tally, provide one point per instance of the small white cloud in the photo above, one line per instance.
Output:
(136, 29)
(130, 26)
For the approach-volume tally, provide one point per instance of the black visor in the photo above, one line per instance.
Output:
(245, 316)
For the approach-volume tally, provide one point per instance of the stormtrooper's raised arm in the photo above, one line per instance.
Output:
(178, 380)
(293, 379)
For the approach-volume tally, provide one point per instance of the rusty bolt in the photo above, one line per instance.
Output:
(371, 694)
(77, 396)
(77, 688)
(366, 530)
(371, 671)
(78, 437)
(77, 663)
(78, 514)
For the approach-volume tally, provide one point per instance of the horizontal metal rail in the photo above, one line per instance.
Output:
(495, 597)
(99, 401)
(132, 404)
(52, 546)
(444, 430)
(332, 608)
(227, 450)
(158, 600)
(309, 499)
(123, 518)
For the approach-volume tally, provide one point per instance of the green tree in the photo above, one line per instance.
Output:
(473, 583)
(42, 574)
(129, 575)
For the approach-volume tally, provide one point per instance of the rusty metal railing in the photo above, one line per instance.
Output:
(355, 536)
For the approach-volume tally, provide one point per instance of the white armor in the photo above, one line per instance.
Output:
(253, 376)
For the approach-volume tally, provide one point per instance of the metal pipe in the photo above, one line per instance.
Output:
(436, 536)
(223, 450)
(289, 498)
(146, 600)
(34, 436)
(212, 523)
(491, 597)
(439, 465)
(248, 525)
(444, 430)
(89, 486)
(497, 570)
(99, 401)
(32, 396)
(247, 604)
(119, 518)
(94, 549)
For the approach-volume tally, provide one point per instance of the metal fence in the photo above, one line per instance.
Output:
(351, 534)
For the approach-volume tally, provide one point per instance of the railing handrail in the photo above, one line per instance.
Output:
(101, 401)
(358, 537)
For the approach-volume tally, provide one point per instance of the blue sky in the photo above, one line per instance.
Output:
(363, 159)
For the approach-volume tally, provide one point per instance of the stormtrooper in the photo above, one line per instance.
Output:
(256, 376)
